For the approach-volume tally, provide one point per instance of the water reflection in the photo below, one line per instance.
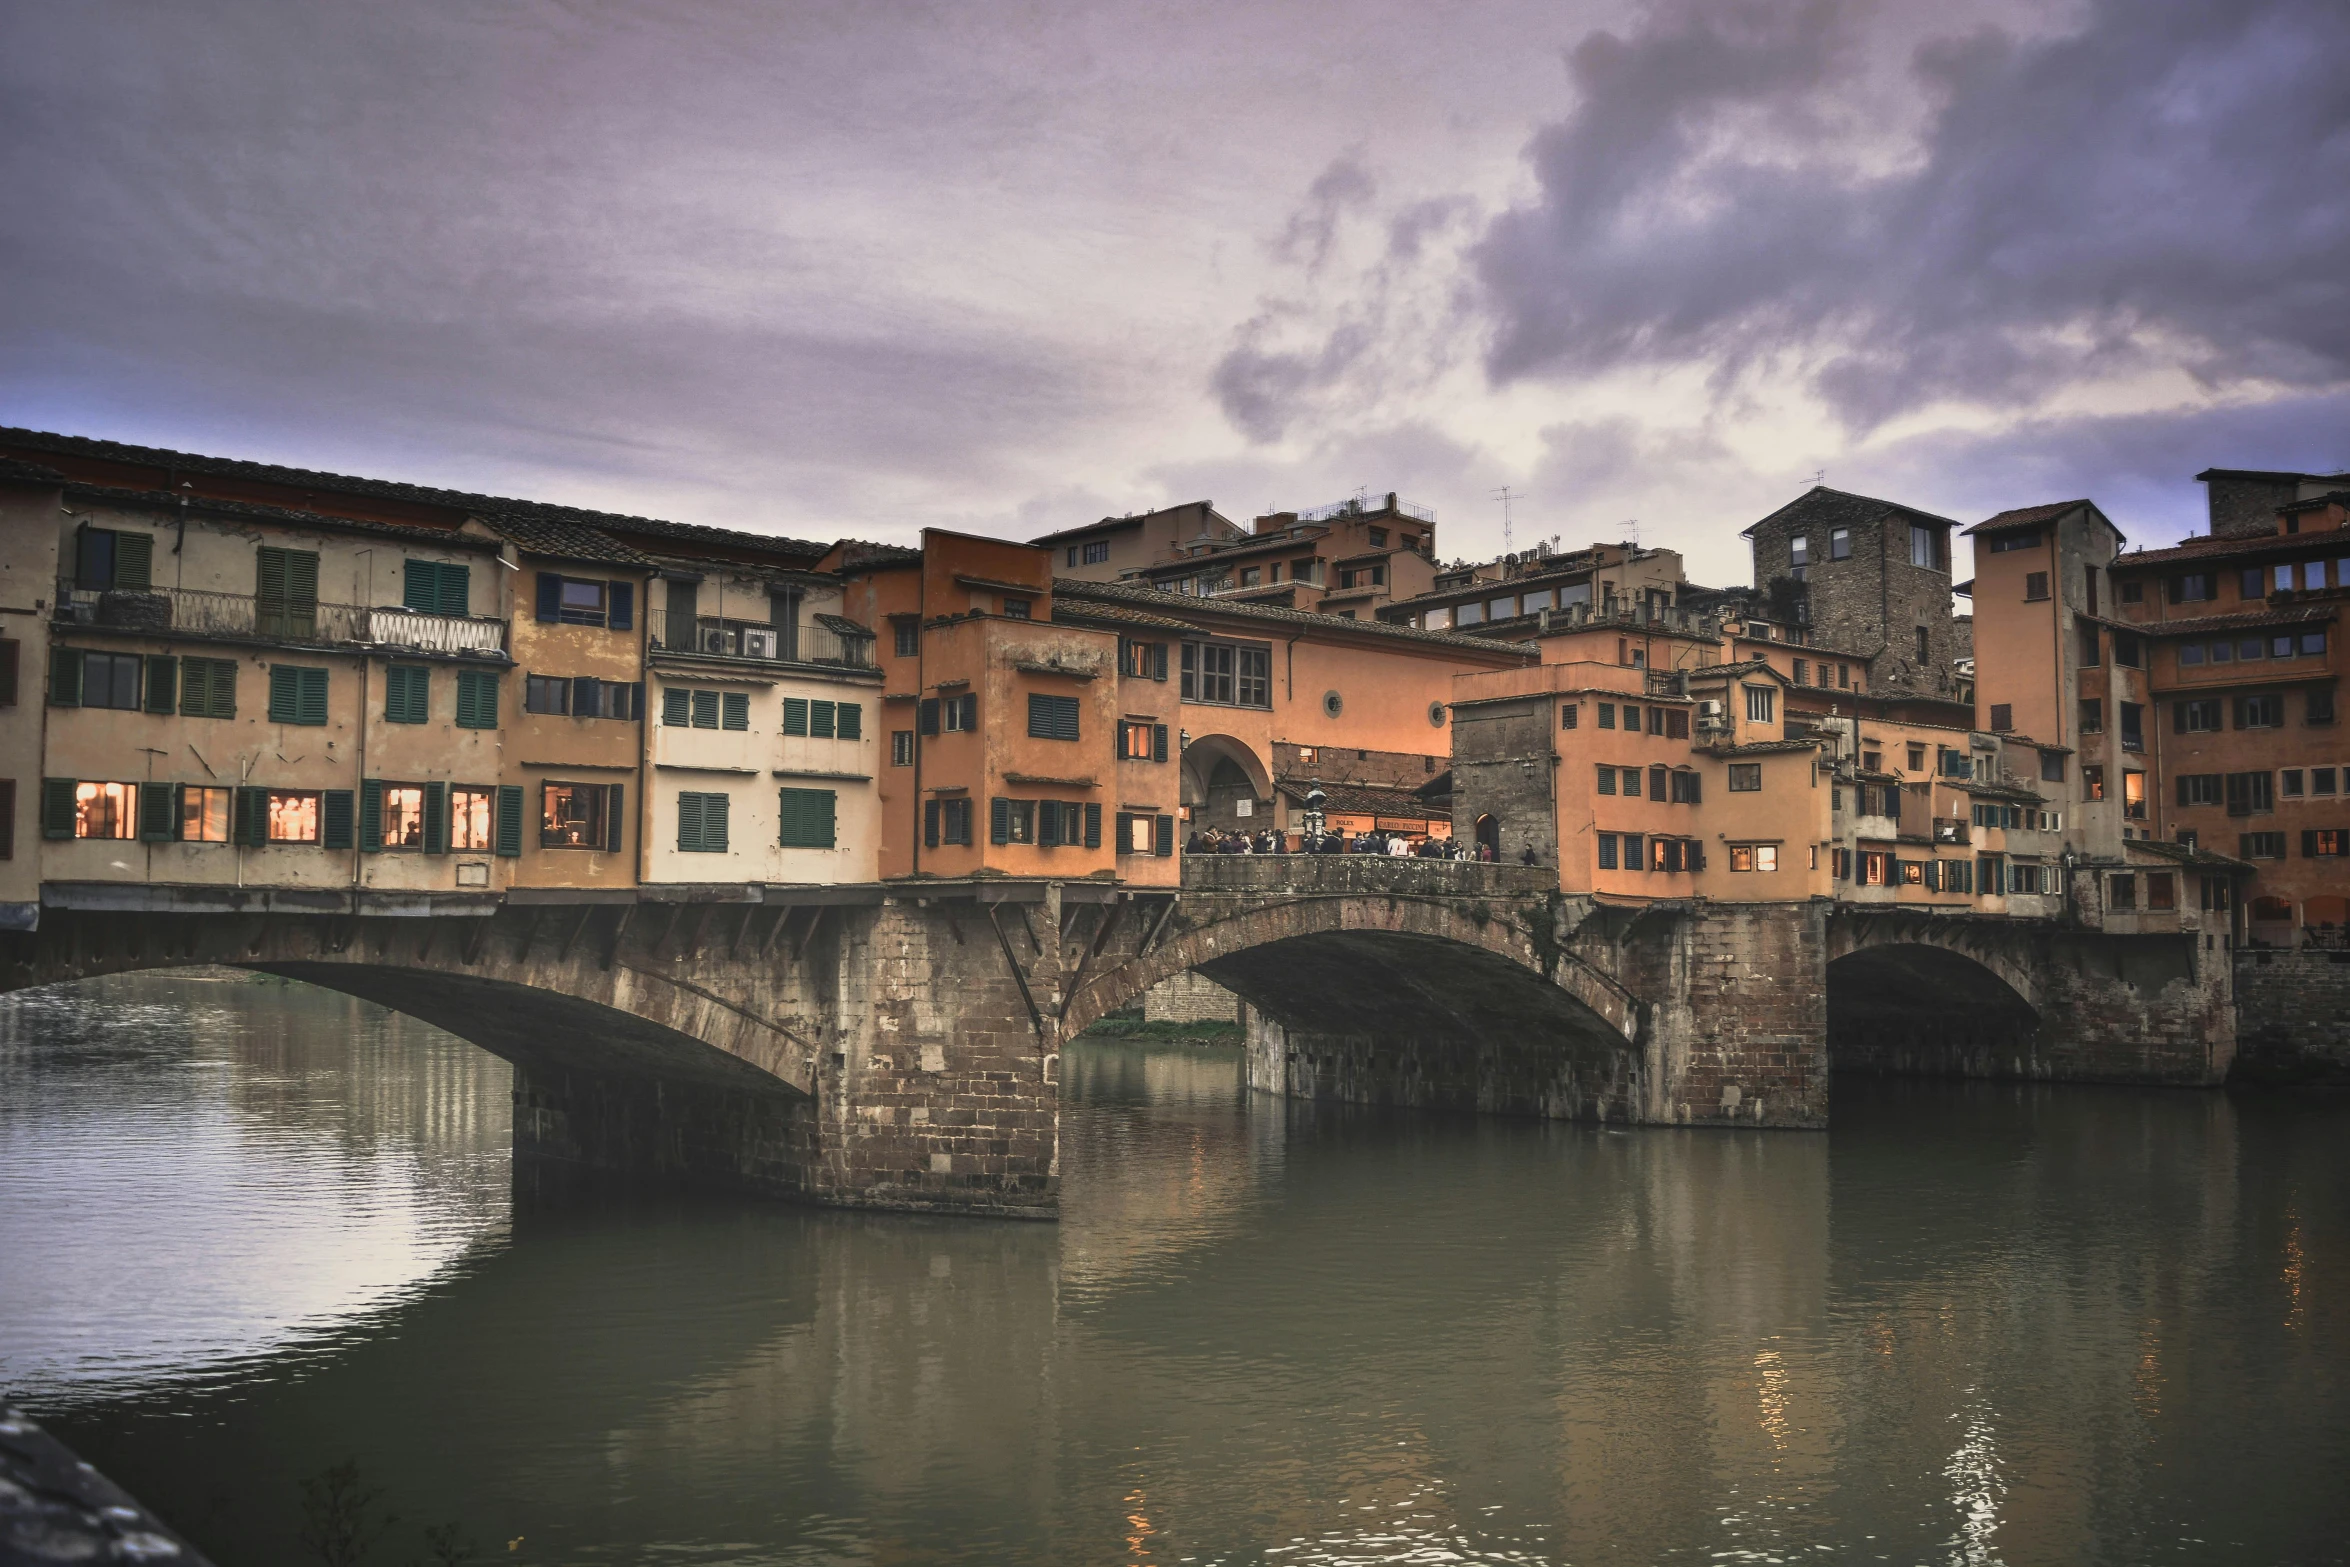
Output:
(1973, 1324)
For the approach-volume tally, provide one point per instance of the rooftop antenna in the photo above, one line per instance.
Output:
(1819, 476)
(1505, 495)
(1632, 531)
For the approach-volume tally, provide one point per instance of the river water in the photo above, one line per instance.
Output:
(249, 1230)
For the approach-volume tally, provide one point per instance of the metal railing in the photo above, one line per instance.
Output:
(714, 636)
(1362, 506)
(194, 612)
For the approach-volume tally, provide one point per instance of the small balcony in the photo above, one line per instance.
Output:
(808, 642)
(244, 617)
(1952, 829)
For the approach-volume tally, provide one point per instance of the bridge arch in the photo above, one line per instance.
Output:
(1931, 997)
(1421, 987)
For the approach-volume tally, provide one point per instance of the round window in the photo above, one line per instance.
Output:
(1436, 714)
(1333, 704)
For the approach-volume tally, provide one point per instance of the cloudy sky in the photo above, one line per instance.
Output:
(831, 269)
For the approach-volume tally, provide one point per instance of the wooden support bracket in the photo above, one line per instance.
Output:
(619, 930)
(587, 911)
(1019, 975)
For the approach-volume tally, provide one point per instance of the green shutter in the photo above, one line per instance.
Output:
(252, 818)
(509, 820)
(477, 699)
(930, 824)
(420, 586)
(795, 715)
(407, 694)
(57, 807)
(689, 822)
(806, 817)
(155, 814)
(820, 715)
(208, 688)
(1163, 836)
(288, 593)
(163, 686)
(1093, 826)
(852, 721)
(65, 677)
(371, 815)
(714, 823)
(999, 820)
(705, 709)
(676, 705)
(313, 698)
(285, 694)
(436, 818)
(456, 589)
(134, 561)
(1048, 824)
(737, 705)
(334, 819)
(615, 801)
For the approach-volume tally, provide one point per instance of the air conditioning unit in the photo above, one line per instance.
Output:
(758, 642)
(714, 639)
(1709, 715)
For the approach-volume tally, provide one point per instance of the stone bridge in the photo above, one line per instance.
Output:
(898, 1046)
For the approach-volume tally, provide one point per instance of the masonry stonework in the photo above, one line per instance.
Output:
(2293, 1016)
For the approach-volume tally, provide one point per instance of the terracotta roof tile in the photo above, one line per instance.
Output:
(2023, 516)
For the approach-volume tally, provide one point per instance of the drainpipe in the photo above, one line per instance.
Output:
(359, 788)
(921, 684)
(646, 825)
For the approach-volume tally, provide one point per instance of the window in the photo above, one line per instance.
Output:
(2285, 579)
(108, 561)
(407, 693)
(1917, 758)
(1758, 704)
(1798, 556)
(2252, 583)
(805, 818)
(1990, 875)
(907, 638)
(2260, 712)
(583, 601)
(1656, 783)
(1016, 608)
(580, 816)
(477, 698)
(470, 816)
(1534, 603)
(1687, 788)
(1143, 660)
(2002, 717)
(1607, 851)
(2309, 644)
(1052, 717)
(1569, 713)
(1228, 674)
(2201, 716)
(2090, 656)
(1501, 608)
(2261, 845)
(2250, 794)
(2133, 716)
(701, 822)
(2092, 715)
(947, 821)
(2321, 707)
(2092, 783)
(1607, 715)
(2321, 780)
(203, 814)
(901, 748)
(433, 587)
(1141, 740)
(2199, 789)
(2121, 891)
(1839, 544)
(2134, 795)
(1631, 719)
(1094, 554)
(1843, 675)
(104, 810)
(2289, 783)
(546, 694)
(1378, 538)
(2129, 650)
(1925, 650)
(110, 680)
(2196, 587)
(1436, 620)
(1011, 821)
(952, 714)
(2130, 592)
(1874, 865)
(2324, 843)
(297, 695)
(2035, 585)
(1923, 550)
(2008, 543)
(1746, 777)
(1607, 781)
(1803, 672)
(400, 814)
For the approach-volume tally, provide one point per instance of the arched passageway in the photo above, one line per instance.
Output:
(1913, 1008)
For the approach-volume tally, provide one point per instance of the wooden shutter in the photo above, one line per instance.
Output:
(436, 818)
(820, 720)
(252, 818)
(420, 586)
(163, 685)
(509, 820)
(2309, 843)
(714, 822)
(1163, 836)
(999, 820)
(970, 704)
(676, 706)
(550, 597)
(1048, 824)
(735, 709)
(456, 589)
(334, 819)
(7, 818)
(586, 696)
(1052, 717)
(795, 715)
(930, 824)
(477, 699)
(1093, 826)
(285, 693)
(313, 697)
(620, 599)
(852, 721)
(57, 807)
(11, 660)
(705, 709)
(65, 677)
(926, 716)
(1159, 661)
(371, 815)
(689, 823)
(615, 814)
(1158, 742)
(155, 812)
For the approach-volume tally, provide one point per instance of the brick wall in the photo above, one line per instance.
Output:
(1190, 998)
(2293, 1016)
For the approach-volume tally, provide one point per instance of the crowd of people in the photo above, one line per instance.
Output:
(1213, 840)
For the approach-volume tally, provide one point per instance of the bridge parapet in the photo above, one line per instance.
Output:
(1357, 874)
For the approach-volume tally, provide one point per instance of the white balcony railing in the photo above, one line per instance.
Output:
(193, 612)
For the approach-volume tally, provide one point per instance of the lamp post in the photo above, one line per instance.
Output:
(1315, 801)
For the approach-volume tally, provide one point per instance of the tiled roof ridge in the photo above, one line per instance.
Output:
(2208, 545)
(204, 505)
(2020, 516)
(1820, 495)
(1075, 588)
